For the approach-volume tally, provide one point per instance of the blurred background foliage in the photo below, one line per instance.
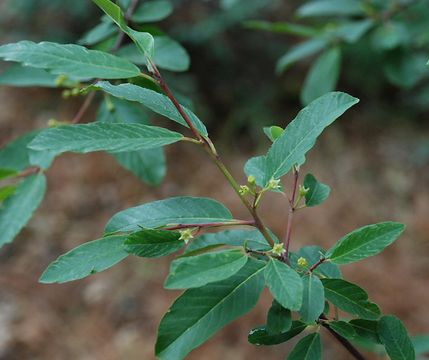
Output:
(252, 63)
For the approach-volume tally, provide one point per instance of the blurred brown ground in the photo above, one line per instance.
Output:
(114, 315)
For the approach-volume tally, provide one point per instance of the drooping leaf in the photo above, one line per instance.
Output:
(301, 134)
(366, 329)
(169, 54)
(18, 75)
(196, 271)
(156, 102)
(313, 300)
(152, 11)
(84, 138)
(17, 209)
(343, 328)
(394, 336)
(300, 51)
(86, 259)
(260, 335)
(279, 319)
(364, 242)
(253, 239)
(318, 192)
(71, 60)
(350, 298)
(285, 284)
(199, 313)
(312, 254)
(172, 211)
(308, 348)
(153, 243)
(322, 76)
(143, 40)
(331, 8)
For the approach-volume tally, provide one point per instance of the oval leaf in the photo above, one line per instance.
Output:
(285, 284)
(72, 60)
(261, 336)
(18, 208)
(279, 319)
(317, 192)
(313, 300)
(308, 348)
(367, 241)
(172, 211)
(196, 271)
(85, 138)
(153, 243)
(350, 298)
(394, 336)
(85, 260)
(199, 313)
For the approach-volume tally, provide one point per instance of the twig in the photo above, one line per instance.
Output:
(317, 264)
(213, 224)
(85, 105)
(28, 171)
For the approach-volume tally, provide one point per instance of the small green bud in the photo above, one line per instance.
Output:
(303, 190)
(55, 123)
(244, 190)
(278, 249)
(273, 184)
(75, 91)
(60, 80)
(186, 235)
(302, 262)
(251, 180)
(66, 94)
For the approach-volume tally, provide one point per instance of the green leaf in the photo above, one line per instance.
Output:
(169, 54)
(285, 284)
(312, 255)
(260, 335)
(143, 40)
(148, 165)
(367, 241)
(99, 33)
(199, 313)
(323, 75)
(17, 209)
(308, 348)
(350, 298)
(86, 259)
(152, 11)
(153, 243)
(343, 328)
(6, 173)
(318, 192)
(421, 344)
(313, 299)
(279, 319)
(331, 8)
(352, 31)
(196, 271)
(273, 132)
(84, 138)
(172, 211)
(19, 75)
(6, 191)
(299, 52)
(253, 239)
(72, 60)
(394, 336)
(366, 329)
(301, 134)
(156, 102)
(282, 27)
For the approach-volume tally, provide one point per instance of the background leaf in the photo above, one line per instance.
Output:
(152, 11)
(199, 313)
(18, 75)
(176, 210)
(279, 319)
(86, 259)
(331, 8)
(312, 254)
(196, 271)
(364, 242)
(17, 209)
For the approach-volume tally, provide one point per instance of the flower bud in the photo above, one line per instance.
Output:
(278, 249)
(186, 235)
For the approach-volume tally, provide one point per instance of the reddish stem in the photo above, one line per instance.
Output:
(316, 265)
(290, 217)
(213, 224)
(29, 171)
